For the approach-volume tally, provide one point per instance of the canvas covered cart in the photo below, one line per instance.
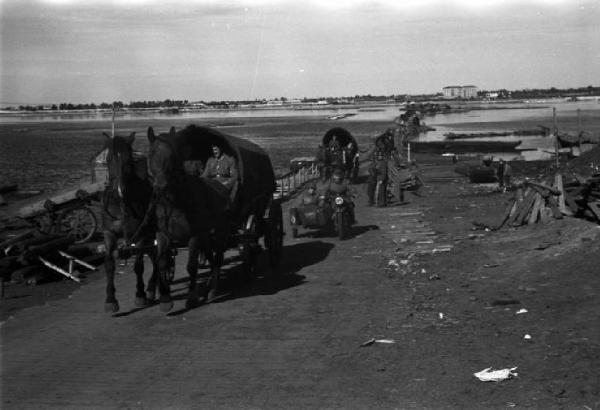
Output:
(257, 214)
(338, 149)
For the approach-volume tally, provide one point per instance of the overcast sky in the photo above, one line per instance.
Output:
(95, 50)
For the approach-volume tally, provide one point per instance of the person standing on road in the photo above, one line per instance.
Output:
(503, 174)
(378, 176)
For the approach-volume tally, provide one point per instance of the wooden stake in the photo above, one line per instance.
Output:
(113, 121)
(579, 128)
(555, 135)
(535, 211)
(561, 198)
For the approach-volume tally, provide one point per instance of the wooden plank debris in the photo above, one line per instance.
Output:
(535, 211)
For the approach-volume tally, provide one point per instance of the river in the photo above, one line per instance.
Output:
(47, 151)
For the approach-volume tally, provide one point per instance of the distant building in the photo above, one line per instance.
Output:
(460, 91)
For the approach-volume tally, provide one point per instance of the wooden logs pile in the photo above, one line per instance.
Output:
(31, 257)
(538, 202)
(582, 196)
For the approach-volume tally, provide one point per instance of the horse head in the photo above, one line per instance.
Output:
(162, 158)
(119, 160)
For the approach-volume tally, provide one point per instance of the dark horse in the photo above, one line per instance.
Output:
(125, 214)
(190, 211)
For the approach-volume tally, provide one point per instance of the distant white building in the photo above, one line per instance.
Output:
(460, 91)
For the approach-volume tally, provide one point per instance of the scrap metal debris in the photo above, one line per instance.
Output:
(373, 341)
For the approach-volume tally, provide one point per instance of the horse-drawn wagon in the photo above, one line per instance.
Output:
(209, 216)
(255, 213)
(338, 149)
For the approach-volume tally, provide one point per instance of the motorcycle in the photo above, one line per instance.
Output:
(342, 216)
(332, 213)
(312, 216)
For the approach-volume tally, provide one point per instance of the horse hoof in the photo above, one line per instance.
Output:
(111, 307)
(150, 297)
(140, 301)
(166, 306)
(212, 294)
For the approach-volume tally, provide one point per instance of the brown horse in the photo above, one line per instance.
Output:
(190, 211)
(125, 214)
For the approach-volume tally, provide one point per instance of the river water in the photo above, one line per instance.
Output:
(48, 151)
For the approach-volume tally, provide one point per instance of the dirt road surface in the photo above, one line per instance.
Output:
(416, 275)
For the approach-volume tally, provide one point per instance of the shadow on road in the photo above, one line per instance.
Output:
(269, 280)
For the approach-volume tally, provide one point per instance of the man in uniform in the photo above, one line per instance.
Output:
(378, 175)
(309, 196)
(338, 186)
(503, 174)
(222, 167)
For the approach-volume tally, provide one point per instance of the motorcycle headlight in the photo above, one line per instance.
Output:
(339, 200)
(293, 219)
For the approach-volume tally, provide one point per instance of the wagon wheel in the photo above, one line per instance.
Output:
(274, 233)
(79, 223)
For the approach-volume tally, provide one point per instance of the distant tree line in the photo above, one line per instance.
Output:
(552, 92)
(398, 98)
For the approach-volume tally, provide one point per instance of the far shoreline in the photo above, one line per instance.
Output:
(456, 105)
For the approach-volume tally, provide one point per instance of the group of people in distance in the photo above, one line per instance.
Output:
(384, 163)
(338, 156)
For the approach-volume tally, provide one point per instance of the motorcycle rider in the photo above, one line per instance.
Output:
(338, 186)
(309, 196)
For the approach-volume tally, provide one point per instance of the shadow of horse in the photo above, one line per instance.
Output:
(295, 258)
(323, 233)
(360, 229)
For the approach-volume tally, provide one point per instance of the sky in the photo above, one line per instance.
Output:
(57, 51)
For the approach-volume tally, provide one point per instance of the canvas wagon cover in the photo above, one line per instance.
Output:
(256, 175)
(342, 135)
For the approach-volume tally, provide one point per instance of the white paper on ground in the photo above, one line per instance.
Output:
(489, 375)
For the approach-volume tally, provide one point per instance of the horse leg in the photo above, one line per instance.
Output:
(192, 268)
(216, 256)
(152, 282)
(138, 268)
(216, 272)
(163, 262)
(111, 305)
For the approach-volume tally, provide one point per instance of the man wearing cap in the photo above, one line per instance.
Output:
(309, 196)
(222, 167)
(338, 186)
(378, 175)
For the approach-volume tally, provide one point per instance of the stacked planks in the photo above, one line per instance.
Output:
(582, 196)
(26, 257)
(538, 202)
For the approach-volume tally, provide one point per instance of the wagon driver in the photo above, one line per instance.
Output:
(222, 167)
